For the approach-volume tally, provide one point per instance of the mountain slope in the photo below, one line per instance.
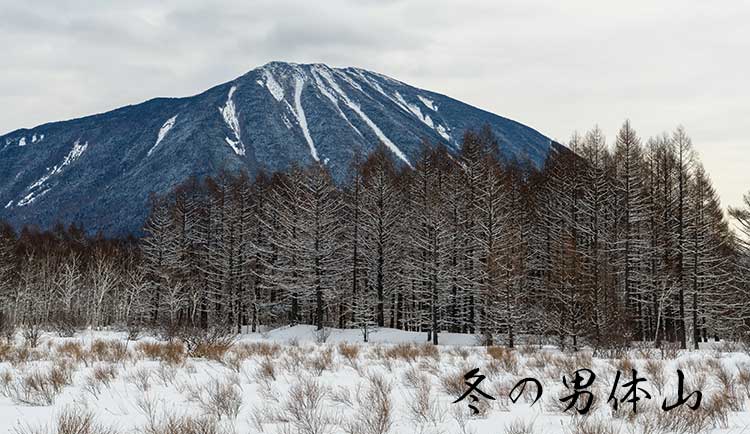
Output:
(99, 170)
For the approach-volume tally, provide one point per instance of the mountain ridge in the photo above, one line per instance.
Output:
(82, 170)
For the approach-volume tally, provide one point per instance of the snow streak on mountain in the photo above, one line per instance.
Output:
(99, 170)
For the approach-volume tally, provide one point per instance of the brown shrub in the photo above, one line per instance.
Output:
(71, 421)
(407, 352)
(171, 352)
(173, 424)
(72, 350)
(375, 412)
(320, 362)
(507, 358)
(520, 426)
(350, 352)
(453, 383)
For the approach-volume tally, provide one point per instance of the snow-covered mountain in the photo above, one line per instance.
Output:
(99, 170)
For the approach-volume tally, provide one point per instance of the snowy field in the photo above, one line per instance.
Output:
(285, 381)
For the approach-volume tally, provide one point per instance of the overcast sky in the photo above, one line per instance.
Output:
(556, 66)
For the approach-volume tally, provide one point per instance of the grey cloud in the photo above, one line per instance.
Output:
(557, 66)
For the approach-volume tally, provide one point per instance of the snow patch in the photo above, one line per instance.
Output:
(299, 83)
(10, 204)
(229, 113)
(70, 158)
(31, 197)
(345, 76)
(328, 94)
(425, 118)
(22, 142)
(356, 108)
(273, 86)
(442, 131)
(428, 103)
(163, 133)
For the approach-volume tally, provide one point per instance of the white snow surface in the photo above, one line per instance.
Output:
(272, 85)
(163, 133)
(299, 112)
(141, 383)
(307, 333)
(229, 113)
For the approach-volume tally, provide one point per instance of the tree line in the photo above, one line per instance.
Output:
(603, 246)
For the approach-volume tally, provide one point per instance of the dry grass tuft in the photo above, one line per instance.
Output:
(71, 421)
(141, 378)
(507, 358)
(520, 426)
(320, 362)
(589, 425)
(411, 352)
(453, 383)
(72, 350)
(108, 350)
(350, 353)
(39, 388)
(303, 410)
(171, 352)
(221, 399)
(424, 407)
(101, 375)
(375, 412)
(172, 424)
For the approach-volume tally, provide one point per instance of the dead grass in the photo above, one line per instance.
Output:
(173, 424)
(219, 398)
(171, 352)
(505, 357)
(350, 353)
(303, 411)
(411, 352)
(266, 371)
(424, 407)
(70, 421)
(141, 378)
(112, 351)
(320, 362)
(72, 350)
(591, 425)
(655, 372)
(453, 383)
(36, 389)
(375, 411)
(520, 426)
(101, 376)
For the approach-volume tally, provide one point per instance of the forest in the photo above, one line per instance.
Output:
(604, 246)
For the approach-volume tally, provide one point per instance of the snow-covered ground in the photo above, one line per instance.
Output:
(286, 381)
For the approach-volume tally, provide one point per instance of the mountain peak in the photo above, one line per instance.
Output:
(279, 114)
